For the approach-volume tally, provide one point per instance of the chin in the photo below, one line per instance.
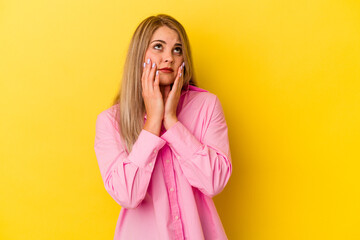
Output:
(166, 81)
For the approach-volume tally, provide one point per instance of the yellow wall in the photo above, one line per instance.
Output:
(287, 74)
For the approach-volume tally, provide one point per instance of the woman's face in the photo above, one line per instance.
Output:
(165, 50)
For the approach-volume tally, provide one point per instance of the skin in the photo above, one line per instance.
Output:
(160, 98)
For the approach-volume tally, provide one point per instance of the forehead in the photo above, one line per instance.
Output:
(165, 33)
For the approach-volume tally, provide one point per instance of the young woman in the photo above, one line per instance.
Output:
(163, 148)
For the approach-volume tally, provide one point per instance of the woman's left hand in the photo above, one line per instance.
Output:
(171, 99)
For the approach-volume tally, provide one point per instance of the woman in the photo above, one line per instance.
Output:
(163, 148)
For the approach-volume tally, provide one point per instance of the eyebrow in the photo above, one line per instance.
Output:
(176, 44)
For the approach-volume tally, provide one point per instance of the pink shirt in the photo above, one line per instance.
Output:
(166, 183)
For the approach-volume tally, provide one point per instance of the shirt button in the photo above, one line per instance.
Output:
(151, 164)
(176, 217)
(155, 151)
(167, 160)
(178, 157)
(171, 189)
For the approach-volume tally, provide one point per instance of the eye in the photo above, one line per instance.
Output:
(178, 50)
(157, 45)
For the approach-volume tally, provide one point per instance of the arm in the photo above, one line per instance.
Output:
(207, 164)
(126, 176)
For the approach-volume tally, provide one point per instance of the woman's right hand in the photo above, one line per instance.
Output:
(153, 99)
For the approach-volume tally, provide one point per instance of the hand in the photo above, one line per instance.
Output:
(171, 99)
(153, 99)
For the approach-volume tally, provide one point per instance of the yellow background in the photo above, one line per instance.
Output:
(287, 75)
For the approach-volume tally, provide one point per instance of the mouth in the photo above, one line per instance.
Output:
(166, 70)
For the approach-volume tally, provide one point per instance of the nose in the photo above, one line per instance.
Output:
(168, 57)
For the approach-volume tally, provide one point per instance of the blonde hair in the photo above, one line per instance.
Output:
(131, 108)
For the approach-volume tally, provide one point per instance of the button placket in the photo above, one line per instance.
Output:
(169, 175)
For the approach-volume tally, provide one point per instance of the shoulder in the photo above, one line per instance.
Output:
(108, 116)
(201, 96)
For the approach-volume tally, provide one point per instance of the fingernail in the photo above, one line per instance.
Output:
(180, 74)
(144, 64)
(148, 61)
(157, 73)
(183, 64)
(153, 65)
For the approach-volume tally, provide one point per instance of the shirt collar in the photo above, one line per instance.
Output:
(185, 89)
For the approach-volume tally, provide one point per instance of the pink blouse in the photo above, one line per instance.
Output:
(166, 183)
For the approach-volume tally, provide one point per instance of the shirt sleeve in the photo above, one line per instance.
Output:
(206, 164)
(126, 176)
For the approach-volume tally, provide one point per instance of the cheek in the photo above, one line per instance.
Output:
(180, 60)
(150, 55)
(178, 63)
(147, 55)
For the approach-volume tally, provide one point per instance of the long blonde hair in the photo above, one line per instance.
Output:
(131, 108)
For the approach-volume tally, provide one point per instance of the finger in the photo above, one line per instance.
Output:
(181, 82)
(143, 77)
(176, 82)
(157, 80)
(148, 70)
(146, 73)
(175, 85)
(151, 76)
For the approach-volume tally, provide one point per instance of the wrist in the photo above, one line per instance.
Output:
(169, 122)
(152, 126)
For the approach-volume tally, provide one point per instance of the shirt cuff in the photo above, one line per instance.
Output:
(145, 149)
(181, 140)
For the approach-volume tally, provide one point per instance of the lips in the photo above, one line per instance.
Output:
(167, 70)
